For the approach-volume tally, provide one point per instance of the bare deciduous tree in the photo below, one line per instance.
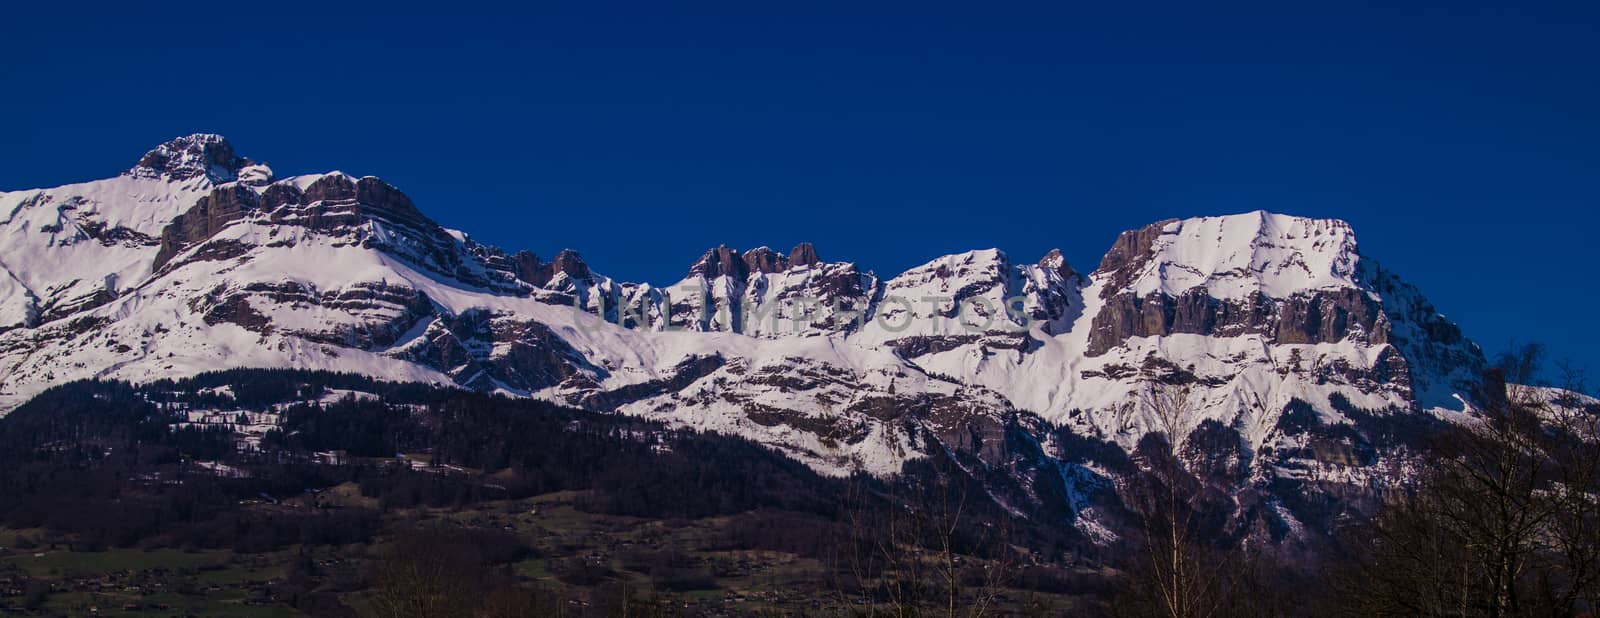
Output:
(1180, 573)
(1503, 520)
(917, 549)
(422, 579)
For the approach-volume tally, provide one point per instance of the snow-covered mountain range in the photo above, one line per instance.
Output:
(1303, 353)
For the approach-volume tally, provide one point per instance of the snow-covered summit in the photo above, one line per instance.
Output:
(191, 156)
(1236, 256)
(68, 249)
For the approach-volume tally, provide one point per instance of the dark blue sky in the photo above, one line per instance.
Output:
(1460, 139)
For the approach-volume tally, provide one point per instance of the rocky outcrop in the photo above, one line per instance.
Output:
(279, 195)
(765, 260)
(213, 212)
(571, 264)
(488, 350)
(336, 202)
(528, 268)
(1054, 262)
(721, 262)
(370, 314)
(684, 374)
(803, 255)
(1130, 252)
(57, 308)
(330, 188)
(113, 235)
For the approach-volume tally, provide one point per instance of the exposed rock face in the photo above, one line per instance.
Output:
(59, 307)
(803, 254)
(215, 211)
(281, 194)
(1326, 316)
(1057, 263)
(765, 260)
(570, 263)
(190, 157)
(374, 314)
(487, 350)
(765, 294)
(1131, 250)
(721, 262)
(330, 188)
(686, 372)
(530, 269)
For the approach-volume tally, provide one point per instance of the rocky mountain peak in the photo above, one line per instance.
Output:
(529, 268)
(569, 262)
(724, 261)
(765, 260)
(721, 261)
(803, 254)
(192, 156)
(1130, 250)
(1057, 263)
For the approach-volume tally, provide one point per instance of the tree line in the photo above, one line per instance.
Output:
(1496, 515)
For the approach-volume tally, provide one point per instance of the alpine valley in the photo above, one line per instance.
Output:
(1314, 374)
